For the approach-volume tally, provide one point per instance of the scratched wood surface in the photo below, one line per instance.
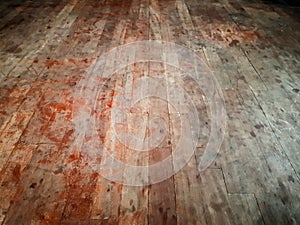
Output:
(47, 48)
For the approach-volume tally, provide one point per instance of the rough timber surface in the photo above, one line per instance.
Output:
(46, 48)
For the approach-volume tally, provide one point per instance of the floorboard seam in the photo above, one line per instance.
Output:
(260, 211)
(258, 74)
(275, 135)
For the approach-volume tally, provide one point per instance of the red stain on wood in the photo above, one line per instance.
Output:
(109, 103)
(120, 188)
(86, 31)
(81, 184)
(17, 172)
(230, 34)
(53, 108)
(67, 137)
(44, 161)
(50, 63)
(72, 61)
(77, 156)
(234, 43)
(250, 35)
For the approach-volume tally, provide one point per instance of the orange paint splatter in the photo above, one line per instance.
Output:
(77, 156)
(50, 63)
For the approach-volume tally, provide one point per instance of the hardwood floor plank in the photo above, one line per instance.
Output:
(12, 133)
(245, 209)
(162, 205)
(218, 67)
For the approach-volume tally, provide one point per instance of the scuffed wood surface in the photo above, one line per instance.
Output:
(46, 48)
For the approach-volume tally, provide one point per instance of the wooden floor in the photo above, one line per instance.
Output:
(47, 48)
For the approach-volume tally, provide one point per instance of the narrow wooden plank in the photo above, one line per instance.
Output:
(245, 209)
(218, 68)
(184, 15)
(190, 207)
(162, 206)
(134, 203)
(12, 133)
(107, 198)
(11, 98)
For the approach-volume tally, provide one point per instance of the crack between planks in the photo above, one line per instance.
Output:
(274, 133)
(259, 105)
(256, 71)
(224, 180)
(170, 130)
(259, 209)
(243, 50)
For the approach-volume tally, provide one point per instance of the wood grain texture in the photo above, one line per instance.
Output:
(47, 51)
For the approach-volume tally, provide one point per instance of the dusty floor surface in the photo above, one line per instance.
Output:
(52, 137)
